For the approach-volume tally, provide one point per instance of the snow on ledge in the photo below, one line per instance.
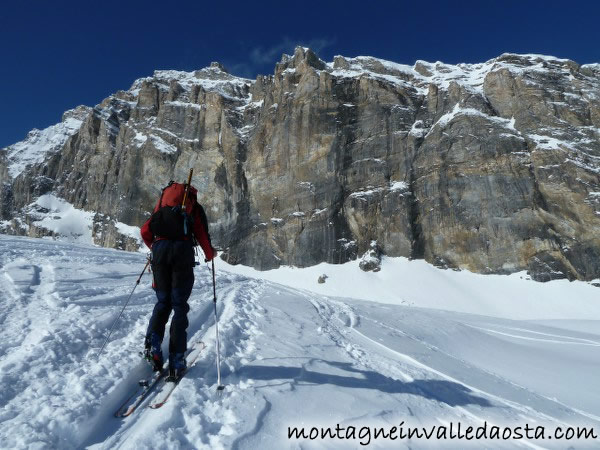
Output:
(64, 219)
(38, 143)
(132, 232)
(458, 111)
(162, 146)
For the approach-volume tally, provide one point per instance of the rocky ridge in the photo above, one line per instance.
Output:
(491, 167)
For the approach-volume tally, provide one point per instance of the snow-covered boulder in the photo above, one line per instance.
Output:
(371, 260)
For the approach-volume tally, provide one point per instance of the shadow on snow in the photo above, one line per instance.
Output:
(451, 393)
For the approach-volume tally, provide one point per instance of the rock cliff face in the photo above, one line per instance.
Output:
(492, 167)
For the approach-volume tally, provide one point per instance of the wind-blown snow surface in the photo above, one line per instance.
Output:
(290, 356)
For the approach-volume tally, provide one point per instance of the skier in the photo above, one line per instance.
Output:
(171, 233)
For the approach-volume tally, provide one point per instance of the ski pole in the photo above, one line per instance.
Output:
(220, 387)
(119, 316)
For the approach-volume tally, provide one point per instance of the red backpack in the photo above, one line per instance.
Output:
(168, 220)
(172, 195)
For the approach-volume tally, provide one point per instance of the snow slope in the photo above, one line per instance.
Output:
(39, 143)
(417, 283)
(291, 356)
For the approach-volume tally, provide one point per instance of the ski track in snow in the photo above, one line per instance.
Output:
(288, 358)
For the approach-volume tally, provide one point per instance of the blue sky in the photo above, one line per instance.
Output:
(57, 55)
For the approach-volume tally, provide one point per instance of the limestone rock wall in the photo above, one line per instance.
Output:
(492, 167)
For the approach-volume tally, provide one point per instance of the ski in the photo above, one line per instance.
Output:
(168, 387)
(145, 387)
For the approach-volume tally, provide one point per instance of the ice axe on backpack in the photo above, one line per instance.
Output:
(185, 194)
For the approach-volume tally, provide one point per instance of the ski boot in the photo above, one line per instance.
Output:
(177, 367)
(153, 352)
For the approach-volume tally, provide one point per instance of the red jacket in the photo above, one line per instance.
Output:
(193, 208)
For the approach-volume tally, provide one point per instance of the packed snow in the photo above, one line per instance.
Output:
(409, 346)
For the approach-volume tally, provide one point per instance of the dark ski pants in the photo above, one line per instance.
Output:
(173, 286)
